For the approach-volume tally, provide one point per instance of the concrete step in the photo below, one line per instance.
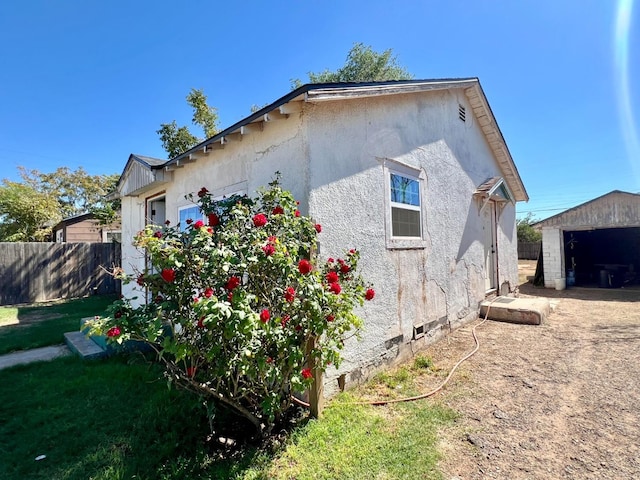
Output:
(82, 345)
(529, 311)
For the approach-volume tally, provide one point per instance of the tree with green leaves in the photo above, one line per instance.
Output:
(526, 232)
(176, 140)
(363, 64)
(26, 215)
(76, 191)
(29, 209)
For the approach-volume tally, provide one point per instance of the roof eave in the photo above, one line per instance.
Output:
(497, 143)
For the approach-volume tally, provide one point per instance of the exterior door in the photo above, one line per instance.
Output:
(156, 214)
(490, 246)
(156, 211)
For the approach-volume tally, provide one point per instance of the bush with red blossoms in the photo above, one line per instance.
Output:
(244, 312)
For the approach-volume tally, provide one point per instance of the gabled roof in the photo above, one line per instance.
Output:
(322, 92)
(140, 173)
(557, 218)
(73, 220)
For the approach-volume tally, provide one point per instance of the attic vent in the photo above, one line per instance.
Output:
(462, 113)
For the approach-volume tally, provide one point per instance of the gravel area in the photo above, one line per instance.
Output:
(555, 401)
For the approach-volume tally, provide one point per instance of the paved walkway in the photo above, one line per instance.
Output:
(35, 355)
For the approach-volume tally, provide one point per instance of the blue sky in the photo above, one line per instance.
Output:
(88, 83)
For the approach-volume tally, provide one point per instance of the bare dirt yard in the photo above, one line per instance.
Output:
(555, 401)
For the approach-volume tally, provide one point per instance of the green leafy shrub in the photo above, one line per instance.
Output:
(242, 312)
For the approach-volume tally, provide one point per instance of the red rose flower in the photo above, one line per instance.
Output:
(285, 320)
(158, 299)
(335, 288)
(318, 227)
(259, 220)
(297, 213)
(208, 292)
(265, 316)
(201, 322)
(167, 222)
(209, 230)
(269, 360)
(202, 192)
(168, 275)
(157, 234)
(278, 210)
(332, 277)
(232, 283)
(330, 318)
(196, 299)
(306, 373)
(298, 328)
(113, 332)
(304, 266)
(140, 280)
(289, 294)
(189, 221)
(118, 314)
(344, 268)
(369, 294)
(330, 260)
(198, 224)
(268, 249)
(352, 251)
(213, 219)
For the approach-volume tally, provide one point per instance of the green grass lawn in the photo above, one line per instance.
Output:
(115, 419)
(40, 325)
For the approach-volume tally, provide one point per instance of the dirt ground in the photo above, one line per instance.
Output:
(555, 401)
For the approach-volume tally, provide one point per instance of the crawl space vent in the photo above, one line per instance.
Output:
(462, 113)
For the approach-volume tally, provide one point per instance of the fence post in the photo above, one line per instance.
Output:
(316, 397)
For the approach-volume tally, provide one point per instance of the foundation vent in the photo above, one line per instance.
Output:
(462, 113)
(418, 331)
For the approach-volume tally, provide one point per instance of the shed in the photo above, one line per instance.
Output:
(596, 243)
(85, 228)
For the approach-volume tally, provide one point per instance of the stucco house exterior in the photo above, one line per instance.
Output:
(596, 243)
(415, 174)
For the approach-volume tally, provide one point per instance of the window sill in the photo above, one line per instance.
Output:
(406, 243)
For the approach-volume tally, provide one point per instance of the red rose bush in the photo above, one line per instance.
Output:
(242, 312)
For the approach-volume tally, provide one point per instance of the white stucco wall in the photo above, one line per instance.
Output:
(438, 286)
(331, 157)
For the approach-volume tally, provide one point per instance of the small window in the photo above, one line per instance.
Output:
(406, 217)
(113, 237)
(190, 212)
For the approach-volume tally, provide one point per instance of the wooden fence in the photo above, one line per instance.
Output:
(36, 272)
(528, 250)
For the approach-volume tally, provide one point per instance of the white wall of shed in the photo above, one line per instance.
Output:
(552, 255)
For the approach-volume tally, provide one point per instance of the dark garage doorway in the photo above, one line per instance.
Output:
(607, 257)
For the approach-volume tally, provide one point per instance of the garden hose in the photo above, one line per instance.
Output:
(435, 390)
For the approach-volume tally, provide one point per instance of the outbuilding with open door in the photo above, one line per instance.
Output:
(595, 244)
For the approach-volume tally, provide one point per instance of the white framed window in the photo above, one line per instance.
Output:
(406, 215)
(193, 212)
(189, 212)
(404, 203)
